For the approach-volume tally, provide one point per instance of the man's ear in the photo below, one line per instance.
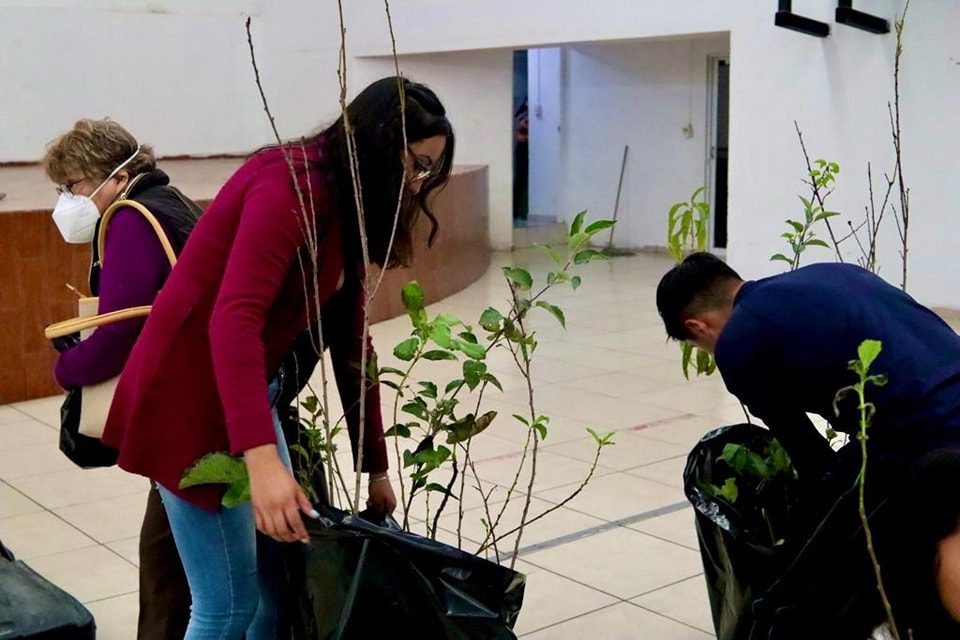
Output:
(695, 327)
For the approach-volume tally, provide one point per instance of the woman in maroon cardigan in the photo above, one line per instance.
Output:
(243, 289)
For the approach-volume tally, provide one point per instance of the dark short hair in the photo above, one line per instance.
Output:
(696, 284)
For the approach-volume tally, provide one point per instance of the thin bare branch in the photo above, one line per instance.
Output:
(816, 192)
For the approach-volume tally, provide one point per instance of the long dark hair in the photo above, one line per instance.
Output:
(375, 118)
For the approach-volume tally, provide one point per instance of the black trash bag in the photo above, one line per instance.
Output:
(743, 543)
(32, 608)
(360, 580)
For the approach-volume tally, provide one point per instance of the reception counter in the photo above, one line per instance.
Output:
(39, 272)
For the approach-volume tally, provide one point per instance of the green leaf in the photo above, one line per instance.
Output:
(807, 204)
(447, 320)
(407, 349)
(490, 319)
(577, 223)
(868, 352)
(453, 384)
(440, 334)
(744, 461)
(415, 409)
(214, 468)
(468, 427)
(575, 282)
(469, 337)
(434, 486)
(555, 310)
(588, 255)
(470, 349)
(697, 193)
(473, 373)
(399, 430)
(439, 354)
(686, 353)
(541, 430)
(520, 418)
(798, 227)
(521, 278)
(301, 451)
(729, 490)
(413, 301)
(429, 390)
(782, 258)
(311, 404)
(391, 371)
(578, 241)
(705, 363)
(492, 379)
(408, 459)
(551, 251)
(816, 242)
(598, 226)
(237, 494)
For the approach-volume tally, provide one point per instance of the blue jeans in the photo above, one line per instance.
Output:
(234, 573)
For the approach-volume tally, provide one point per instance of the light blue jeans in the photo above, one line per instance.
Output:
(234, 573)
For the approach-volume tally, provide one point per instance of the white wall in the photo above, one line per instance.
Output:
(63, 59)
(476, 89)
(838, 88)
(640, 94)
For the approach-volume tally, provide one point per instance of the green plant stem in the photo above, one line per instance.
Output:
(453, 478)
(579, 489)
(864, 519)
(396, 437)
(536, 436)
(485, 498)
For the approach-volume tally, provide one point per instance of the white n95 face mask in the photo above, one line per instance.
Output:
(76, 216)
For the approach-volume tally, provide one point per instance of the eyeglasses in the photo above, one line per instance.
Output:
(67, 187)
(421, 170)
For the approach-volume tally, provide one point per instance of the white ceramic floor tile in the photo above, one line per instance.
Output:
(618, 495)
(79, 486)
(685, 602)
(550, 598)
(46, 410)
(128, 548)
(622, 562)
(13, 503)
(33, 460)
(40, 534)
(25, 433)
(628, 451)
(89, 574)
(109, 519)
(623, 621)
(677, 527)
(116, 617)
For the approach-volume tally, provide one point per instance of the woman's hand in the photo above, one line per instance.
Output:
(380, 497)
(277, 498)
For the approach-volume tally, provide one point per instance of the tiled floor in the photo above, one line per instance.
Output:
(618, 561)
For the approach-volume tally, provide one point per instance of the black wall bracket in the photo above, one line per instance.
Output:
(849, 16)
(788, 20)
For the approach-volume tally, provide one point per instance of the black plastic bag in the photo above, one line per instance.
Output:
(360, 580)
(742, 543)
(83, 451)
(32, 608)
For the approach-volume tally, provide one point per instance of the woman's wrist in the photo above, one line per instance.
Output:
(378, 476)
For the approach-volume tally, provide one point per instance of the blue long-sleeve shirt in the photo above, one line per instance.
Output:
(786, 348)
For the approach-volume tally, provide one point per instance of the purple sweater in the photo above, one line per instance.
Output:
(135, 267)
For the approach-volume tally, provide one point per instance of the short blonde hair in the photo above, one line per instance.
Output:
(93, 149)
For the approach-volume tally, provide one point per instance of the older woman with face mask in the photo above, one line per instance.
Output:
(94, 165)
